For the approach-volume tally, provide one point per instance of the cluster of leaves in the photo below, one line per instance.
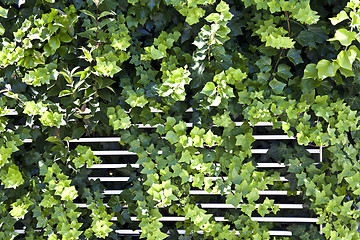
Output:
(100, 67)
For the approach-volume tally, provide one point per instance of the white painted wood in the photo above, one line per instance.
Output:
(125, 179)
(127, 153)
(257, 219)
(203, 192)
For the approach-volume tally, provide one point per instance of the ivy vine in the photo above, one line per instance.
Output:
(74, 69)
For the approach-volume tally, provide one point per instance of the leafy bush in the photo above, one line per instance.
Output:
(77, 68)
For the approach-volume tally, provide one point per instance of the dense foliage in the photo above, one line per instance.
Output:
(293, 63)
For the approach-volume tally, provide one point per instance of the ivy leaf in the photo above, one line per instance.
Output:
(346, 58)
(308, 85)
(263, 210)
(154, 53)
(69, 193)
(310, 71)
(294, 56)
(341, 16)
(326, 69)
(284, 71)
(3, 12)
(306, 38)
(344, 36)
(306, 15)
(295, 166)
(279, 42)
(11, 177)
(101, 228)
(209, 89)
(118, 118)
(244, 140)
(321, 198)
(172, 137)
(192, 14)
(277, 86)
(248, 208)
(233, 199)
(5, 154)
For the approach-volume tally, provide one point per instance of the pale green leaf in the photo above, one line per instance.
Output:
(344, 36)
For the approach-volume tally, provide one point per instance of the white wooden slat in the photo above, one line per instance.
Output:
(121, 165)
(220, 205)
(127, 153)
(181, 232)
(203, 192)
(280, 233)
(110, 179)
(257, 219)
(112, 166)
(285, 219)
(272, 137)
(225, 206)
(125, 179)
(12, 112)
(117, 139)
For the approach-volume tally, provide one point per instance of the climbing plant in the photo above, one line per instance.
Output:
(74, 69)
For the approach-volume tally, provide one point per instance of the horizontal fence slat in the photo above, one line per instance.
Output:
(137, 232)
(257, 219)
(124, 165)
(117, 139)
(128, 153)
(125, 179)
(220, 205)
(203, 192)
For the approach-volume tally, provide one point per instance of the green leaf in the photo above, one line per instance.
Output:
(5, 154)
(118, 118)
(52, 119)
(279, 42)
(277, 86)
(244, 140)
(310, 71)
(69, 193)
(346, 58)
(341, 16)
(248, 208)
(101, 228)
(306, 15)
(284, 71)
(209, 89)
(54, 42)
(233, 199)
(106, 68)
(263, 210)
(3, 12)
(308, 85)
(2, 30)
(326, 69)
(295, 166)
(172, 137)
(78, 132)
(155, 53)
(192, 15)
(87, 54)
(344, 36)
(306, 38)
(294, 56)
(11, 178)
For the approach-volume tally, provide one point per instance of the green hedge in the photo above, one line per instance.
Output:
(292, 63)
